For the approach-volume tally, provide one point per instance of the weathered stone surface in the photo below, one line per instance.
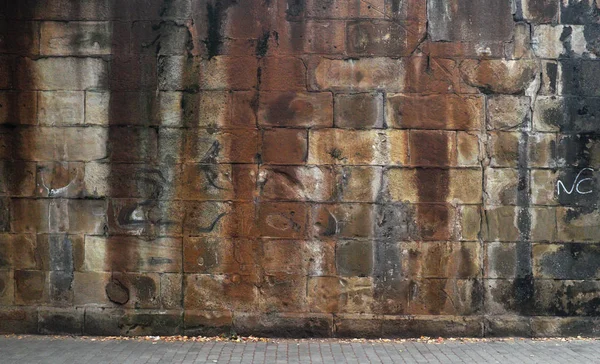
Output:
(507, 112)
(383, 37)
(499, 76)
(540, 11)
(284, 146)
(64, 73)
(75, 38)
(559, 41)
(310, 183)
(362, 75)
(463, 20)
(295, 109)
(435, 112)
(359, 111)
(216, 292)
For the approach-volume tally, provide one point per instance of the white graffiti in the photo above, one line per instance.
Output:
(575, 187)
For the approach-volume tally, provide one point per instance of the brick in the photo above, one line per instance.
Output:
(547, 43)
(61, 108)
(356, 75)
(464, 185)
(131, 254)
(359, 111)
(218, 292)
(499, 76)
(75, 38)
(205, 182)
(507, 112)
(295, 109)
(342, 220)
(284, 146)
(64, 73)
(461, 20)
(18, 108)
(451, 112)
(310, 183)
(384, 37)
(358, 184)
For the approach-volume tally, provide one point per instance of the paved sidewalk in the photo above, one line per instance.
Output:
(38, 349)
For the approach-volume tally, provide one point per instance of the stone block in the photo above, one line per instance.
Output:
(551, 41)
(577, 224)
(431, 326)
(161, 38)
(132, 144)
(60, 321)
(283, 73)
(207, 323)
(356, 75)
(171, 291)
(507, 112)
(359, 111)
(566, 261)
(314, 258)
(282, 220)
(357, 147)
(467, 150)
(284, 146)
(384, 37)
(433, 222)
(432, 148)
(31, 287)
(64, 73)
(566, 297)
(18, 108)
(301, 183)
(440, 259)
(143, 217)
(217, 292)
(214, 182)
(500, 224)
(500, 261)
(505, 326)
(231, 146)
(208, 255)
(564, 326)
(452, 112)
(311, 36)
(21, 320)
(469, 218)
(295, 109)
(434, 76)
(354, 258)
(75, 38)
(540, 11)
(119, 322)
(286, 324)
(7, 288)
(130, 254)
(499, 76)
(501, 186)
(457, 185)
(548, 113)
(283, 293)
(60, 179)
(504, 149)
(21, 37)
(19, 178)
(97, 108)
(462, 297)
(342, 220)
(358, 184)
(462, 20)
(543, 191)
(20, 251)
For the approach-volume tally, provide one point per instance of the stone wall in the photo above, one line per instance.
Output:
(300, 167)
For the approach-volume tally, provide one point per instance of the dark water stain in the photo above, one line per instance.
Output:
(572, 261)
(262, 46)
(216, 14)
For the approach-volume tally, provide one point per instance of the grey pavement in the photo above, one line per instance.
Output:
(40, 349)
